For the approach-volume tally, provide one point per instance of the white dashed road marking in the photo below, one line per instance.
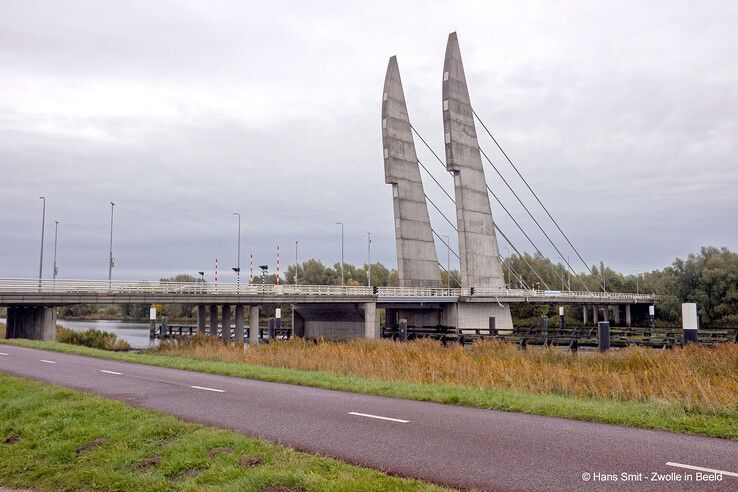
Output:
(111, 372)
(700, 468)
(379, 417)
(47, 361)
(208, 389)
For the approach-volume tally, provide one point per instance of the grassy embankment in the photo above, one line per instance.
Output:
(59, 439)
(692, 390)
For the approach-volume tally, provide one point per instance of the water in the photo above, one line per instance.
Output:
(136, 334)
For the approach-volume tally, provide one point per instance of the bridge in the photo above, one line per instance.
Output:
(341, 312)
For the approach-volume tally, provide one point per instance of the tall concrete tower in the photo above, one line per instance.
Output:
(417, 261)
(481, 266)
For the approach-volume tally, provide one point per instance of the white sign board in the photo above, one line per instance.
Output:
(278, 313)
(689, 316)
(152, 313)
(651, 310)
(561, 310)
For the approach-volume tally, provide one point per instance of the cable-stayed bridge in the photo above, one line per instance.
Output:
(482, 303)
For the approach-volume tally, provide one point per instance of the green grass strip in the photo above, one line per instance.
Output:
(649, 415)
(53, 438)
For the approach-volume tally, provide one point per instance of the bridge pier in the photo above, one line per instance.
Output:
(371, 321)
(584, 315)
(628, 320)
(225, 333)
(254, 326)
(595, 314)
(201, 315)
(239, 325)
(32, 323)
(213, 320)
(616, 314)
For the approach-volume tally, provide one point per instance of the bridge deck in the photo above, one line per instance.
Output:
(64, 292)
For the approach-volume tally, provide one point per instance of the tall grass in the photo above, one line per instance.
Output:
(91, 338)
(704, 378)
(2, 330)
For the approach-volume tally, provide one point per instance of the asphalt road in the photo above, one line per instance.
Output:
(451, 445)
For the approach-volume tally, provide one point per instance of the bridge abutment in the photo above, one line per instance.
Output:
(32, 323)
(213, 320)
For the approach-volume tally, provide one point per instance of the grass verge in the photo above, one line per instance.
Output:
(58, 439)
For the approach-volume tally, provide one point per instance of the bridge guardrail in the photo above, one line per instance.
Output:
(104, 287)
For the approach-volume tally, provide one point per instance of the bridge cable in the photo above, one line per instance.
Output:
(534, 194)
(495, 224)
(561, 255)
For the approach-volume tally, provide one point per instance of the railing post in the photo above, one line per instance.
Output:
(604, 336)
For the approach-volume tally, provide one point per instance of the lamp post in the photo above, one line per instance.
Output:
(43, 227)
(342, 278)
(369, 258)
(238, 253)
(56, 230)
(202, 281)
(264, 269)
(110, 258)
(297, 265)
(448, 261)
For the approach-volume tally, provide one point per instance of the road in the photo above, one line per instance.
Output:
(451, 445)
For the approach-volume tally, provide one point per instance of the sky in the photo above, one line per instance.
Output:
(623, 117)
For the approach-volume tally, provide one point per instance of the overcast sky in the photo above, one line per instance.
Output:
(622, 115)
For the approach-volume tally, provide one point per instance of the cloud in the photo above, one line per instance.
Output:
(622, 117)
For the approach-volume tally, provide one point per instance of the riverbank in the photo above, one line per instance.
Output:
(59, 439)
(654, 413)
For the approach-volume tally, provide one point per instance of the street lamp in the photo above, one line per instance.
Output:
(264, 269)
(448, 261)
(202, 281)
(56, 230)
(297, 265)
(41, 258)
(110, 259)
(342, 278)
(369, 258)
(238, 254)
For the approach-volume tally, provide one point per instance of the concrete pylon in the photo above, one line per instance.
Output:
(480, 256)
(417, 261)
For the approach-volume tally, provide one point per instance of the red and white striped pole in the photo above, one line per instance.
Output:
(216, 272)
(278, 264)
(251, 270)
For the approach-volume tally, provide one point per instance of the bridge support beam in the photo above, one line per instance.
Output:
(225, 333)
(213, 320)
(32, 323)
(239, 325)
(254, 326)
(371, 321)
(628, 320)
(201, 316)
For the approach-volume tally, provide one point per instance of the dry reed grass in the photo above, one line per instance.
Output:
(704, 378)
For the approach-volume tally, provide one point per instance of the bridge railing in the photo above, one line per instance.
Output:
(105, 287)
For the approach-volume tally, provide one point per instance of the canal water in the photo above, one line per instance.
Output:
(136, 334)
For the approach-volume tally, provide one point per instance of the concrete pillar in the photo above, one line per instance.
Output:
(254, 326)
(239, 325)
(201, 316)
(371, 321)
(628, 321)
(584, 315)
(213, 320)
(616, 314)
(225, 334)
(595, 315)
(32, 323)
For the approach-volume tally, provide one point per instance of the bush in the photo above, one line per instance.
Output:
(91, 338)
